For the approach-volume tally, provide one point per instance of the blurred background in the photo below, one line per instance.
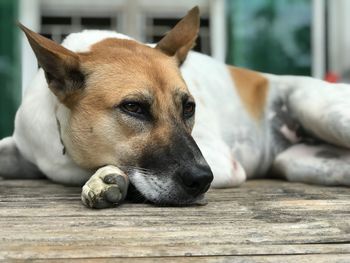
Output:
(301, 37)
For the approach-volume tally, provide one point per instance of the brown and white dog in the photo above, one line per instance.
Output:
(105, 110)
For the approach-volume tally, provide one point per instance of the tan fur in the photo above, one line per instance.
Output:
(252, 87)
(98, 130)
(182, 37)
(119, 69)
(58, 62)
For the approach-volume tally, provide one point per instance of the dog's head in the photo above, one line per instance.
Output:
(129, 106)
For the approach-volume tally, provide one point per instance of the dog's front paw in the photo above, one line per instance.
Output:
(106, 188)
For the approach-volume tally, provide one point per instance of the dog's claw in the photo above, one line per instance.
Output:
(106, 188)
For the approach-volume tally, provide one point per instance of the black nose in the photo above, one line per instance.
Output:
(195, 180)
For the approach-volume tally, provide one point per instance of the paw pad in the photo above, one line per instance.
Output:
(106, 188)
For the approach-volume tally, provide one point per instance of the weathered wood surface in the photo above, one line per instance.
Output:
(262, 221)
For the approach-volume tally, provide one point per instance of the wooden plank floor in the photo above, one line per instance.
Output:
(262, 221)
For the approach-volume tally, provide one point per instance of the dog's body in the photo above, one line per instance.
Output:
(247, 125)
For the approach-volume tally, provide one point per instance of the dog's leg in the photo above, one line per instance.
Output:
(322, 109)
(12, 163)
(106, 188)
(321, 164)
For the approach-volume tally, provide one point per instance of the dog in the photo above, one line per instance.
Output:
(110, 114)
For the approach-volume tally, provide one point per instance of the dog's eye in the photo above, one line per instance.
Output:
(132, 107)
(188, 109)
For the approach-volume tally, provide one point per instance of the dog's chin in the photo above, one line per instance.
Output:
(141, 191)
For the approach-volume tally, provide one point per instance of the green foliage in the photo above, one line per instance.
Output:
(10, 84)
(270, 36)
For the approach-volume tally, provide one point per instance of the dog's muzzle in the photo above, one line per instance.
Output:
(175, 174)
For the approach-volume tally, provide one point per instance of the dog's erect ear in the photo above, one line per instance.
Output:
(182, 37)
(61, 65)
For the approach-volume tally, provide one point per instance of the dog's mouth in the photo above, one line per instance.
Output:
(155, 189)
(136, 196)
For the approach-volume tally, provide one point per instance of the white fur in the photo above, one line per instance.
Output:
(82, 41)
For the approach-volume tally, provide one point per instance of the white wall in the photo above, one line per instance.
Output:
(318, 44)
(339, 35)
(29, 15)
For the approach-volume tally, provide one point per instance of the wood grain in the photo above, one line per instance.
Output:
(262, 221)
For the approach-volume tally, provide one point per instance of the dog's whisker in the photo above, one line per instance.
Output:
(133, 169)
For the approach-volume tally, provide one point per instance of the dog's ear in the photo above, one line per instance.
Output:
(182, 37)
(61, 66)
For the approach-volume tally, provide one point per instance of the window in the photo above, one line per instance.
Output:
(57, 27)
